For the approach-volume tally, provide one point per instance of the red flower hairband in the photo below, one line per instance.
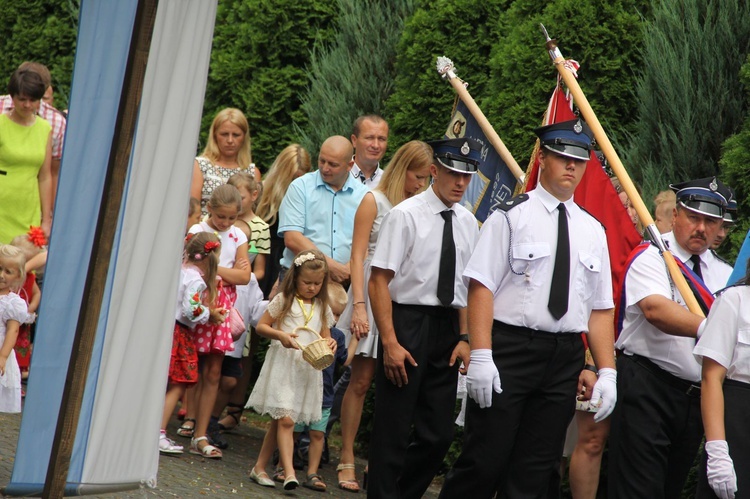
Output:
(210, 245)
(37, 237)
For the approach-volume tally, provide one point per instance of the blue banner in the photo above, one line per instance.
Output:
(494, 182)
(740, 266)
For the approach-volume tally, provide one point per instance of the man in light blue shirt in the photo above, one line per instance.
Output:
(318, 209)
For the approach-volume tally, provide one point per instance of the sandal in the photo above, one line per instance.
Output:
(235, 413)
(167, 445)
(185, 430)
(207, 451)
(214, 434)
(278, 475)
(348, 485)
(315, 482)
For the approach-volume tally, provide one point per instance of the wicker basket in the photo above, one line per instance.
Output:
(317, 353)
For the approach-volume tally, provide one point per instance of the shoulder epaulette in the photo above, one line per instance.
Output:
(513, 202)
(592, 216)
(716, 255)
(741, 282)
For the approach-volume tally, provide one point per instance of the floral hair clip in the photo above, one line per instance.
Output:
(189, 236)
(37, 237)
(210, 245)
(303, 258)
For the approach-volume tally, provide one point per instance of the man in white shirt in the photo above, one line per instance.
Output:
(418, 301)
(370, 140)
(538, 277)
(657, 428)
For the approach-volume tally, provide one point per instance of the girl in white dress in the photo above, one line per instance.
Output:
(13, 313)
(288, 388)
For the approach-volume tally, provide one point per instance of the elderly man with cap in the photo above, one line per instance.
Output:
(656, 429)
(418, 300)
(532, 290)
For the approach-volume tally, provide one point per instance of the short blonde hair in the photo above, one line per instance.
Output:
(668, 197)
(337, 297)
(23, 243)
(236, 117)
(8, 252)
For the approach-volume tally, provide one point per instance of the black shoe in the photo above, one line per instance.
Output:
(214, 435)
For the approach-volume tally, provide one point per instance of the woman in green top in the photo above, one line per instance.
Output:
(25, 158)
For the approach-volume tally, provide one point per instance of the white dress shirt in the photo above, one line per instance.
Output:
(648, 275)
(409, 244)
(521, 290)
(726, 337)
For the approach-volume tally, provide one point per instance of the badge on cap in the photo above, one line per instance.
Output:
(713, 185)
(578, 128)
(465, 149)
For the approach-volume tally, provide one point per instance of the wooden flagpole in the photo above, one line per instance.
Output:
(96, 278)
(622, 175)
(445, 68)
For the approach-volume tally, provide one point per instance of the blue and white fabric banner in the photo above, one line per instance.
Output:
(494, 182)
(740, 266)
(116, 445)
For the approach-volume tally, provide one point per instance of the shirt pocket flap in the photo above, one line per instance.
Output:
(743, 336)
(531, 251)
(590, 262)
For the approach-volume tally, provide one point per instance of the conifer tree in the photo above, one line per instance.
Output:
(689, 94)
(260, 51)
(354, 74)
(42, 31)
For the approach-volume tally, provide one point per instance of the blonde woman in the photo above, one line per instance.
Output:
(226, 153)
(293, 162)
(407, 174)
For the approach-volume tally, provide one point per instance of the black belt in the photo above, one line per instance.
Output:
(687, 387)
(737, 384)
(434, 310)
(536, 333)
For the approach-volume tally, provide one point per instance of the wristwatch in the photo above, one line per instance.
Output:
(463, 337)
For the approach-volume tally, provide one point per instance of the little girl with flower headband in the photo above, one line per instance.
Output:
(195, 305)
(288, 388)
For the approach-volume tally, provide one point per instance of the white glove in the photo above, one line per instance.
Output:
(720, 469)
(482, 377)
(604, 395)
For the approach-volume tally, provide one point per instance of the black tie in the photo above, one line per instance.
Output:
(558, 293)
(447, 273)
(696, 259)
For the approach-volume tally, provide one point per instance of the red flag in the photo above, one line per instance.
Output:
(597, 195)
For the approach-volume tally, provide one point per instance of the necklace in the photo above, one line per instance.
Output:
(308, 317)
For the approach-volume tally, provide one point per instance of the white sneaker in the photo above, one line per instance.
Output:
(167, 446)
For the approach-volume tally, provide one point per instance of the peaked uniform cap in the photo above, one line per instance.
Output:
(572, 139)
(461, 155)
(702, 196)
